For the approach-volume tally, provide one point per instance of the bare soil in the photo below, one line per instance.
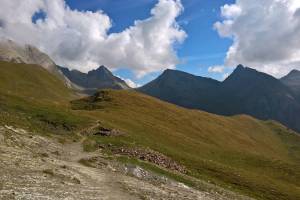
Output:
(40, 168)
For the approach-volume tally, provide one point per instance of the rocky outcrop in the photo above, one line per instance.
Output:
(13, 52)
(152, 157)
(102, 131)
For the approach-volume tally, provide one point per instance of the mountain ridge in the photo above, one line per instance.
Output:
(292, 80)
(245, 91)
(100, 78)
(11, 51)
(184, 94)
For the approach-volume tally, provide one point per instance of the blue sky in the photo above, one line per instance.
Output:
(137, 39)
(202, 48)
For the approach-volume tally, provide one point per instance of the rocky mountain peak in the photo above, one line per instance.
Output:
(100, 78)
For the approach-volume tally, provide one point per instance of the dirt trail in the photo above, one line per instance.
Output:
(39, 168)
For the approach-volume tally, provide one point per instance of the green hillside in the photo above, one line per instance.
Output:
(259, 158)
(33, 82)
(31, 97)
(241, 153)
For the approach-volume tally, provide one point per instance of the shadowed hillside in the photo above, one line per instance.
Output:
(292, 80)
(245, 91)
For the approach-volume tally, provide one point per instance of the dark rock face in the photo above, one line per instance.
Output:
(100, 78)
(260, 95)
(245, 91)
(182, 89)
(292, 80)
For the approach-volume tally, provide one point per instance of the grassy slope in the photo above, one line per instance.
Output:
(32, 82)
(258, 158)
(31, 97)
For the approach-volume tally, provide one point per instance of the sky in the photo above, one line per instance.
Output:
(138, 39)
(202, 48)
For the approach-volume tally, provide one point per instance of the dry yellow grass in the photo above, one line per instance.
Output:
(258, 158)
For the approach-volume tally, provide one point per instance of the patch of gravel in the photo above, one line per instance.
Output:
(38, 168)
(152, 157)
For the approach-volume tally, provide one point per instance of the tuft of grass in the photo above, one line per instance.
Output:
(89, 145)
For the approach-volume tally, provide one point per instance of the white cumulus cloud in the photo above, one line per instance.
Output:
(80, 39)
(216, 69)
(131, 83)
(265, 34)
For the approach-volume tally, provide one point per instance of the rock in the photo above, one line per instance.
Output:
(151, 156)
(102, 131)
(136, 171)
(108, 132)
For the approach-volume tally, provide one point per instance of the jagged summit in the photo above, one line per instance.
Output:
(11, 51)
(240, 67)
(100, 78)
(101, 69)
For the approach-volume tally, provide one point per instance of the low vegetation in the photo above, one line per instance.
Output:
(32, 98)
(257, 158)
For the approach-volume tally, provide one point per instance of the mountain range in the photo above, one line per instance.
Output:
(11, 51)
(220, 155)
(101, 78)
(245, 91)
(230, 152)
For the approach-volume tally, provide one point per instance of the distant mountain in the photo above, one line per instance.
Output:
(100, 78)
(245, 91)
(258, 94)
(182, 89)
(292, 80)
(11, 51)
